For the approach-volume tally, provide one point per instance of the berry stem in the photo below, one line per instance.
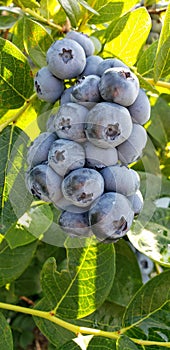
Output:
(42, 19)
(19, 113)
(48, 315)
(163, 84)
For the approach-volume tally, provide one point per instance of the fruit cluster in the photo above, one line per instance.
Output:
(80, 163)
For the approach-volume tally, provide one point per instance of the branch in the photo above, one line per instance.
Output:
(19, 113)
(48, 315)
(161, 83)
(42, 19)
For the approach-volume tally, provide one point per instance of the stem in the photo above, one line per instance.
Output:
(42, 19)
(19, 113)
(163, 84)
(48, 315)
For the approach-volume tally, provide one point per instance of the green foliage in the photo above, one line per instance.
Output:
(82, 294)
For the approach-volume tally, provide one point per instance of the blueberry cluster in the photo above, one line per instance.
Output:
(80, 163)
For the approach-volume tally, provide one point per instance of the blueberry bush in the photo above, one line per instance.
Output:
(84, 175)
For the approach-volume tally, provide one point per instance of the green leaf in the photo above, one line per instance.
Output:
(29, 282)
(126, 36)
(102, 344)
(128, 277)
(16, 81)
(161, 216)
(162, 62)
(6, 341)
(55, 334)
(78, 291)
(40, 41)
(18, 236)
(160, 118)
(88, 7)
(148, 311)
(27, 3)
(152, 240)
(106, 13)
(72, 10)
(145, 64)
(14, 262)
(124, 343)
(7, 140)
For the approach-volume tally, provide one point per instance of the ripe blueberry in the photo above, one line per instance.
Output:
(109, 63)
(99, 157)
(66, 155)
(108, 125)
(119, 85)
(83, 40)
(38, 151)
(140, 109)
(82, 186)
(66, 59)
(48, 87)
(75, 224)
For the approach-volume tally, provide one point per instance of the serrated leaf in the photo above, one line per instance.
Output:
(163, 50)
(161, 216)
(6, 341)
(40, 41)
(16, 81)
(78, 291)
(160, 118)
(126, 36)
(127, 278)
(124, 343)
(72, 10)
(14, 262)
(152, 240)
(145, 64)
(148, 311)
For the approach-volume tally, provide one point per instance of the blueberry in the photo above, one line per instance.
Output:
(131, 150)
(66, 59)
(99, 157)
(120, 179)
(140, 110)
(146, 265)
(111, 217)
(82, 186)
(44, 183)
(119, 85)
(66, 95)
(86, 90)
(109, 63)
(50, 123)
(66, 155)
(75, 224)
(108, 125)
(92, 63)
(38, 151)
(70, 122)
(136, 200)
(83, 40)
(48, 87)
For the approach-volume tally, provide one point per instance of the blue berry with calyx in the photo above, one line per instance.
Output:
(43, 183)
(82, 186)
(66, 155)
(86, 90)
(69, 122)
(108, 125)
(66, 59)
(111, 217)
(119, 85)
